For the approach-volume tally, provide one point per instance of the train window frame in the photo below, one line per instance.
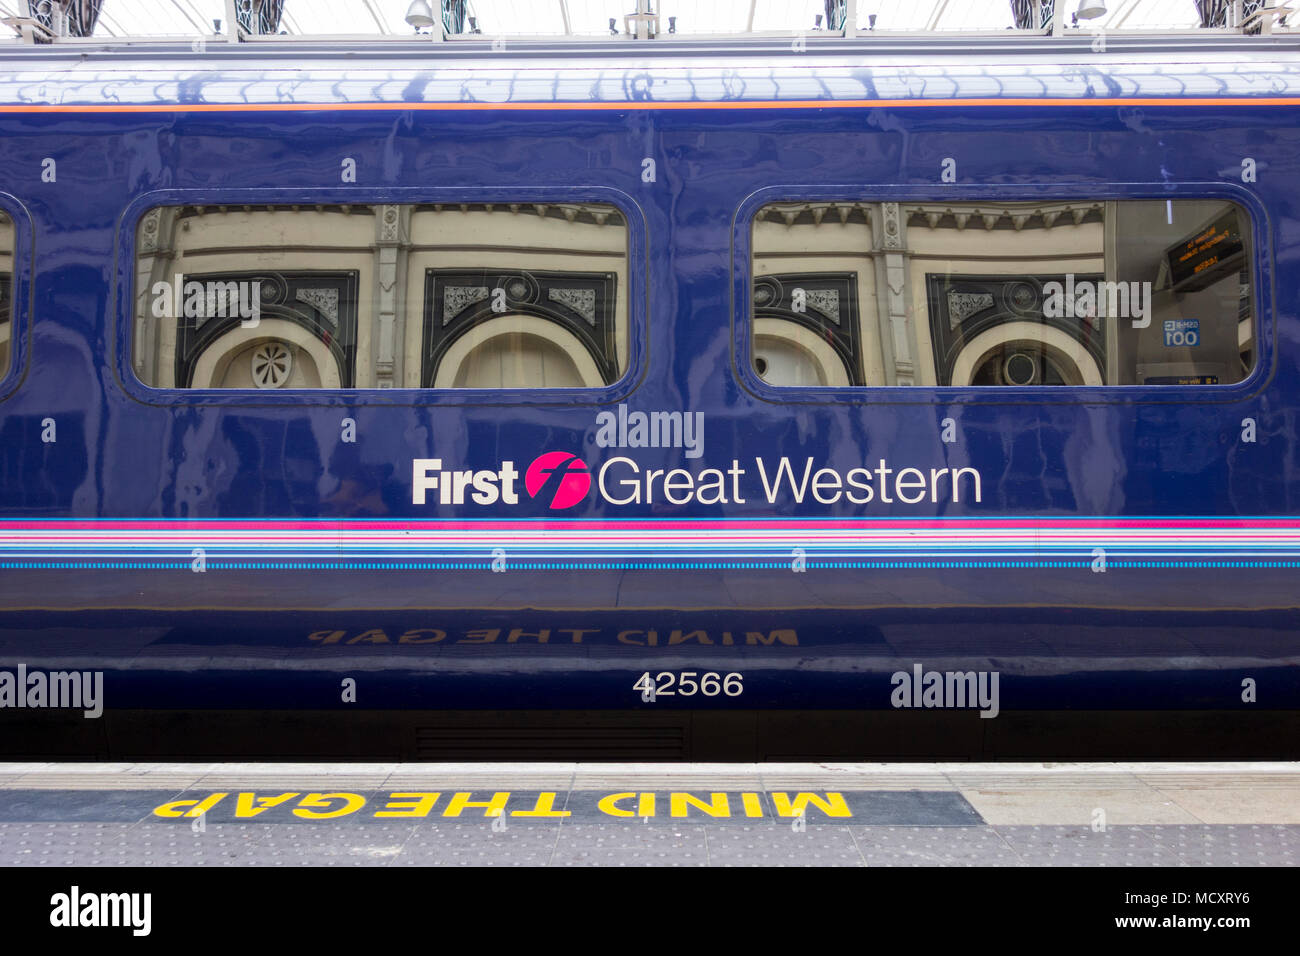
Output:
(20, 291)
(636, 296)
(1262, 271)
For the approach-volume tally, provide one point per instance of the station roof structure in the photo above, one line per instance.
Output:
(366, 20)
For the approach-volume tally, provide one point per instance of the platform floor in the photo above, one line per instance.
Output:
(70, 814)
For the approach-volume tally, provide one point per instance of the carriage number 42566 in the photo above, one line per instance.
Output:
(710, 684)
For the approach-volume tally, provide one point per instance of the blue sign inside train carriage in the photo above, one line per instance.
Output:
(1181, 333)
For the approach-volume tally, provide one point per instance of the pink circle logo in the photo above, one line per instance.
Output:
(559, 478)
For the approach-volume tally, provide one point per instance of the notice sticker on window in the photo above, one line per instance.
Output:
(1181, 333)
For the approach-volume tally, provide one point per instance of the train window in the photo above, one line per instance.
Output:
(1110, 292)
(6, 291)
(475, 295)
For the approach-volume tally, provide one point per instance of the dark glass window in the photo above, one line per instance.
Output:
(478, 295)
(1107, 292)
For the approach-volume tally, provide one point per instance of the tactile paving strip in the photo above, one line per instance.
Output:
(889, 815)
(593, 844)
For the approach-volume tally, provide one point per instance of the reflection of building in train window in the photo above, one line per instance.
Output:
(355, 296)
(1002, 294)
(491, 329)
(806, 329)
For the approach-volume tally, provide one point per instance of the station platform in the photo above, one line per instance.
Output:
(600, 814)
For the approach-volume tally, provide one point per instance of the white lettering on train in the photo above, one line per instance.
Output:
(910, 486)
(622, 481)
(488, 486)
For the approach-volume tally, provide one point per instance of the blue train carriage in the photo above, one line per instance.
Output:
(717, 406)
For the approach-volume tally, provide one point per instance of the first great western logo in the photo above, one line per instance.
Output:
(556, 479)
(559, 480)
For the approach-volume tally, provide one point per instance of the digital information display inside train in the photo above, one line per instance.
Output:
(1202, 259)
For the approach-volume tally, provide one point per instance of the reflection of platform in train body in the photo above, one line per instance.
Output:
(643, 814)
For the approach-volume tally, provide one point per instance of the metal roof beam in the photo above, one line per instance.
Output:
(195, 18)
(382, 23)
(936, 15)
